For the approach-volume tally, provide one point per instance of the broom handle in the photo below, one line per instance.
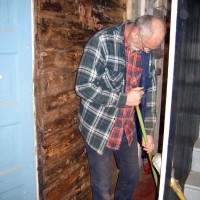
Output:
(146, 142)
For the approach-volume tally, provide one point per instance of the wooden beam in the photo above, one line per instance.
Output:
(129, 9)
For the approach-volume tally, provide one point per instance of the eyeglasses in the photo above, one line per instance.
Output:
(145, 48)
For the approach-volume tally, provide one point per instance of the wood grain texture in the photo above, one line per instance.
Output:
(62, 27)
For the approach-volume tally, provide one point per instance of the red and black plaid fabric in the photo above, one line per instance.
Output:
(125, 121)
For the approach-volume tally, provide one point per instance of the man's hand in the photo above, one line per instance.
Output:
(134, 96)
(150, 146)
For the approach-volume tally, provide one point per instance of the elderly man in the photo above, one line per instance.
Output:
(117, 73)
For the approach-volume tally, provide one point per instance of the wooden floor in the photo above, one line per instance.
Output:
(146, 189)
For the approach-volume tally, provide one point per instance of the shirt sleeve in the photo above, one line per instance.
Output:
(150, 118)
(91, 69)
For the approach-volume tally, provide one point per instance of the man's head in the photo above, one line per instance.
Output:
(146, 34)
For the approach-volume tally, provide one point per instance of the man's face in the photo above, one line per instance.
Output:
(150, 44)
(133, 47)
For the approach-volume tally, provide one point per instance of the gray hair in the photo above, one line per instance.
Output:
(144, 23)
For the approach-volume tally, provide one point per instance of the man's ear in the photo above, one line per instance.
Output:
(136, 34)
(136, 37)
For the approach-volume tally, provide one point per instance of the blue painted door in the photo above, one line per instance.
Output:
(17, 150)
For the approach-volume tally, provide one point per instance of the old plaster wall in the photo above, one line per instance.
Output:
(61, 29)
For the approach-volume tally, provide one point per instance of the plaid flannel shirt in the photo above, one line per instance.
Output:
(101, 85)
(125, 122)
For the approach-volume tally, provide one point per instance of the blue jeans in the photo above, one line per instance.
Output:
(101, 171)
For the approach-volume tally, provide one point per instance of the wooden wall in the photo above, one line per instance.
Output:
(61, 29)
